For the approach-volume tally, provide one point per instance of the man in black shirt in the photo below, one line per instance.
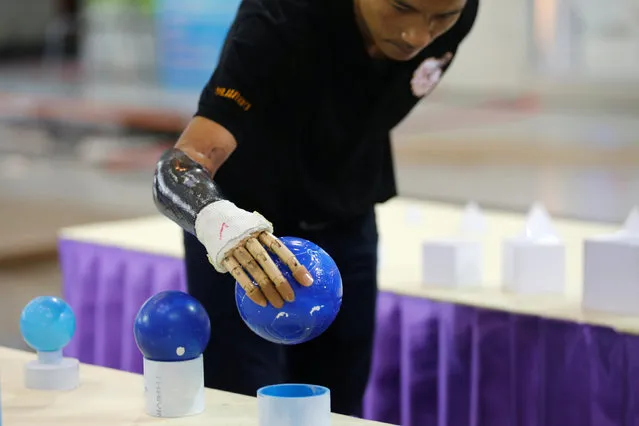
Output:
(304, 97)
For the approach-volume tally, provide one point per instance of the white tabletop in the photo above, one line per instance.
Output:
(112, 398)
(404, 224)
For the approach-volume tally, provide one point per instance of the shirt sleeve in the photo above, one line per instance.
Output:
(255, 60)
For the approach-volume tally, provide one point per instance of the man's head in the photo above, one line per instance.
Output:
(400, 29)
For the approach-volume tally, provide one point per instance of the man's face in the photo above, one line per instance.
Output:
(400, 29)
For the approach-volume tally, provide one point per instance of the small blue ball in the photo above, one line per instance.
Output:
(47, 324)
(172, 326)
(315, 307)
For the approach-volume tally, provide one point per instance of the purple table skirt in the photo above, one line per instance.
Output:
(434, 363)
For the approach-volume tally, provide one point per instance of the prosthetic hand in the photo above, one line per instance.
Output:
(236, 240)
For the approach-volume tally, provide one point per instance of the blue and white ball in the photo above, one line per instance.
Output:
(315, 307)
(172, 326)
(47, 324)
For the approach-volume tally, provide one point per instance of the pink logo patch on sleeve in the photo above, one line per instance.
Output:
(427, 75)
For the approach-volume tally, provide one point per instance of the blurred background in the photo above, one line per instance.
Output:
(541, 104)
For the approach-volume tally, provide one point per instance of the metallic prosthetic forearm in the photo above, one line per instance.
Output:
(182, 188)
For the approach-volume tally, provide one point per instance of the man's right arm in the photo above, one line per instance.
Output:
(253, 62)
(185, 192)
(183, 181)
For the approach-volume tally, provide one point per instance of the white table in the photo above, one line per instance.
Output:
(454, 356)
(112, 398)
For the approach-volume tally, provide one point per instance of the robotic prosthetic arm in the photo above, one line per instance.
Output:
(184, 191)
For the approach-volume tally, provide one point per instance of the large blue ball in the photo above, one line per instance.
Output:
(314, 308)
(172, 326)
(47, 324)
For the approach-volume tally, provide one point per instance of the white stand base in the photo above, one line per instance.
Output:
(62, 375)
(174, 389)
(452, 263)
(611, 275)
(533, 267)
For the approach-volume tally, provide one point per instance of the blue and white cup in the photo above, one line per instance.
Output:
(293, 404)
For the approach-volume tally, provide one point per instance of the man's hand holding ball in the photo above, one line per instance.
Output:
(238, 242)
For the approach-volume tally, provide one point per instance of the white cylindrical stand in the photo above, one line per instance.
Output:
(52, 372)
(294, 405)
(174, 389)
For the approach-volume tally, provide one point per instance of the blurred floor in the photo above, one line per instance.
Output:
(581, 160)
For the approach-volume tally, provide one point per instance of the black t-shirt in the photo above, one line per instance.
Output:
(310, 110)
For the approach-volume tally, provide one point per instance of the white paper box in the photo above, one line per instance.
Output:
(611, 274)
(452, 263)
(532, 266)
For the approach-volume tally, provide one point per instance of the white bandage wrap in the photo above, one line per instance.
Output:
(221, 226)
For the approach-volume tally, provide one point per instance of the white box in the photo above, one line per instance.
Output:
(452, 263)
(531, 266)
(611, 274)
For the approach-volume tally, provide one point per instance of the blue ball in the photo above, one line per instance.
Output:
(172, 326)
(315, 307)
(47, 324)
